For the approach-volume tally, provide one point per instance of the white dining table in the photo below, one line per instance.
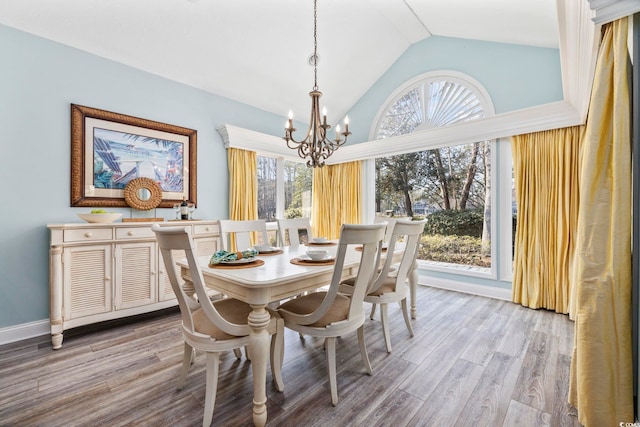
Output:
(275, 280)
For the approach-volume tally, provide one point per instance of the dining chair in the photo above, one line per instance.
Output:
(329, 314)
(241, 231)
(391, 221)
(290, 228)
(212, 327)
(391, 286)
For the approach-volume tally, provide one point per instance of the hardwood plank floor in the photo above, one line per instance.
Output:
(473, 362)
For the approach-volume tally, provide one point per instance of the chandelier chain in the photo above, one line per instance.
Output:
(316, 145)
(315, 45)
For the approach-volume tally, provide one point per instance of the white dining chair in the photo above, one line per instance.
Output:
(289, 231)
(329, 314)
(391, 221)
(212, 327)
(391, 286)
(236, 235)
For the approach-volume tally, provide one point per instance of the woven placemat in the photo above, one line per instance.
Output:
(359, 248)
(321, 244)
(301, 261)
(278, 252)
(254, 263)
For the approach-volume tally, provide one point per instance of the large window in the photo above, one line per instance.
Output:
(450, 186)
(267, 188)
(284, 189)
(298, 179)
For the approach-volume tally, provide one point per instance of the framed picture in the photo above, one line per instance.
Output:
(109, 149)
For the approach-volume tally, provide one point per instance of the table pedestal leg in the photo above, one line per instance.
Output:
(259, 342)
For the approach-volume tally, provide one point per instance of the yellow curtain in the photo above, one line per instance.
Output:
(545, 166)
(337, 198)
(601, 380)
(243, 186)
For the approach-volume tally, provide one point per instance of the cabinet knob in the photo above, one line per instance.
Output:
(88, 234)
(130, 233)
(206, 229)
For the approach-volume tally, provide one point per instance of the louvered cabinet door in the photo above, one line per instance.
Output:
(135, 274)
(165, 291)
(87, 278)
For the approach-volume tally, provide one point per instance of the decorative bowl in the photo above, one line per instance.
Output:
(100, 217)
(317, 255)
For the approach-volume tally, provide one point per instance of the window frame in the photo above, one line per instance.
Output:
(497, 262)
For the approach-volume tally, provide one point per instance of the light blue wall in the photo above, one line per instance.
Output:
(39, 80)
(515, 76)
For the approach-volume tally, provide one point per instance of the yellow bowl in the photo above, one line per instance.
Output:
(100, 217)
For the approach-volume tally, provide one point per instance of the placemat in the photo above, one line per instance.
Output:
(255, 263)
(359, 248)
(321, 244)
(278, 252)
(299, 261)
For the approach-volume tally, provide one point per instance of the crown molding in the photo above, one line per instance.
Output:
(549, 116)
(261, 143)
(610, 10)
(578, 43)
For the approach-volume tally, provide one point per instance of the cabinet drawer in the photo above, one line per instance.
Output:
(206, 229)
(87, 234)
(134, 233)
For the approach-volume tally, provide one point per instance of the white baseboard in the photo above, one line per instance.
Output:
(467, 288)
(24, 331)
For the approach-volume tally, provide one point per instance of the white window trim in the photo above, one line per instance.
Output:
(453, 76)
(489, 110)
(505, 167)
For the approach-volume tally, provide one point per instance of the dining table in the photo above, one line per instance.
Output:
(276, 276)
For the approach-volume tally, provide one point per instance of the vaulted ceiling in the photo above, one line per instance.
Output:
(256, 51)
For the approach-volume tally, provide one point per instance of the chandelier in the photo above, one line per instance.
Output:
(316, 146)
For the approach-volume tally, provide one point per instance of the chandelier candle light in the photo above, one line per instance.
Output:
(316, 147)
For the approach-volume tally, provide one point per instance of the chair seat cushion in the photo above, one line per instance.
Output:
(306, 304)
(232, 310)
(388, 286)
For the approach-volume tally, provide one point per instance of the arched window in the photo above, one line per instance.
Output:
(450, 185)
(432, 100)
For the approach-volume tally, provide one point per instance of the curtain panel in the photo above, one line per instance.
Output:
(337, 198)
(545, 166)
(601, 378)
(243, 187)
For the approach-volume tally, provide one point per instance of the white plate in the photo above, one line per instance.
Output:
(239, 261)
(307, 258)
(268, 251)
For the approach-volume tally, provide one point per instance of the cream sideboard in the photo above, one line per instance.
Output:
(100, 272)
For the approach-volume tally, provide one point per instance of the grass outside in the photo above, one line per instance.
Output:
(464, 250)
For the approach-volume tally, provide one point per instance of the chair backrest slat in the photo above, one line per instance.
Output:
(178, 238)
(370, 237)
(245, 233)
(290, 228)
(412, 231)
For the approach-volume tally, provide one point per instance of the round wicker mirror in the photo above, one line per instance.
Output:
(143, 194)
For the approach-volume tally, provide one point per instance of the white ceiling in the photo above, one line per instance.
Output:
(256, 51)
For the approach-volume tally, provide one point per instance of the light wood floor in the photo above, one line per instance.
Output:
(473, 362)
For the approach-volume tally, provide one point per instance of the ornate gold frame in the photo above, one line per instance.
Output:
(132, 198)
(82, 149)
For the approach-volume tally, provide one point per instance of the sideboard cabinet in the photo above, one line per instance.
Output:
(101, 272)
